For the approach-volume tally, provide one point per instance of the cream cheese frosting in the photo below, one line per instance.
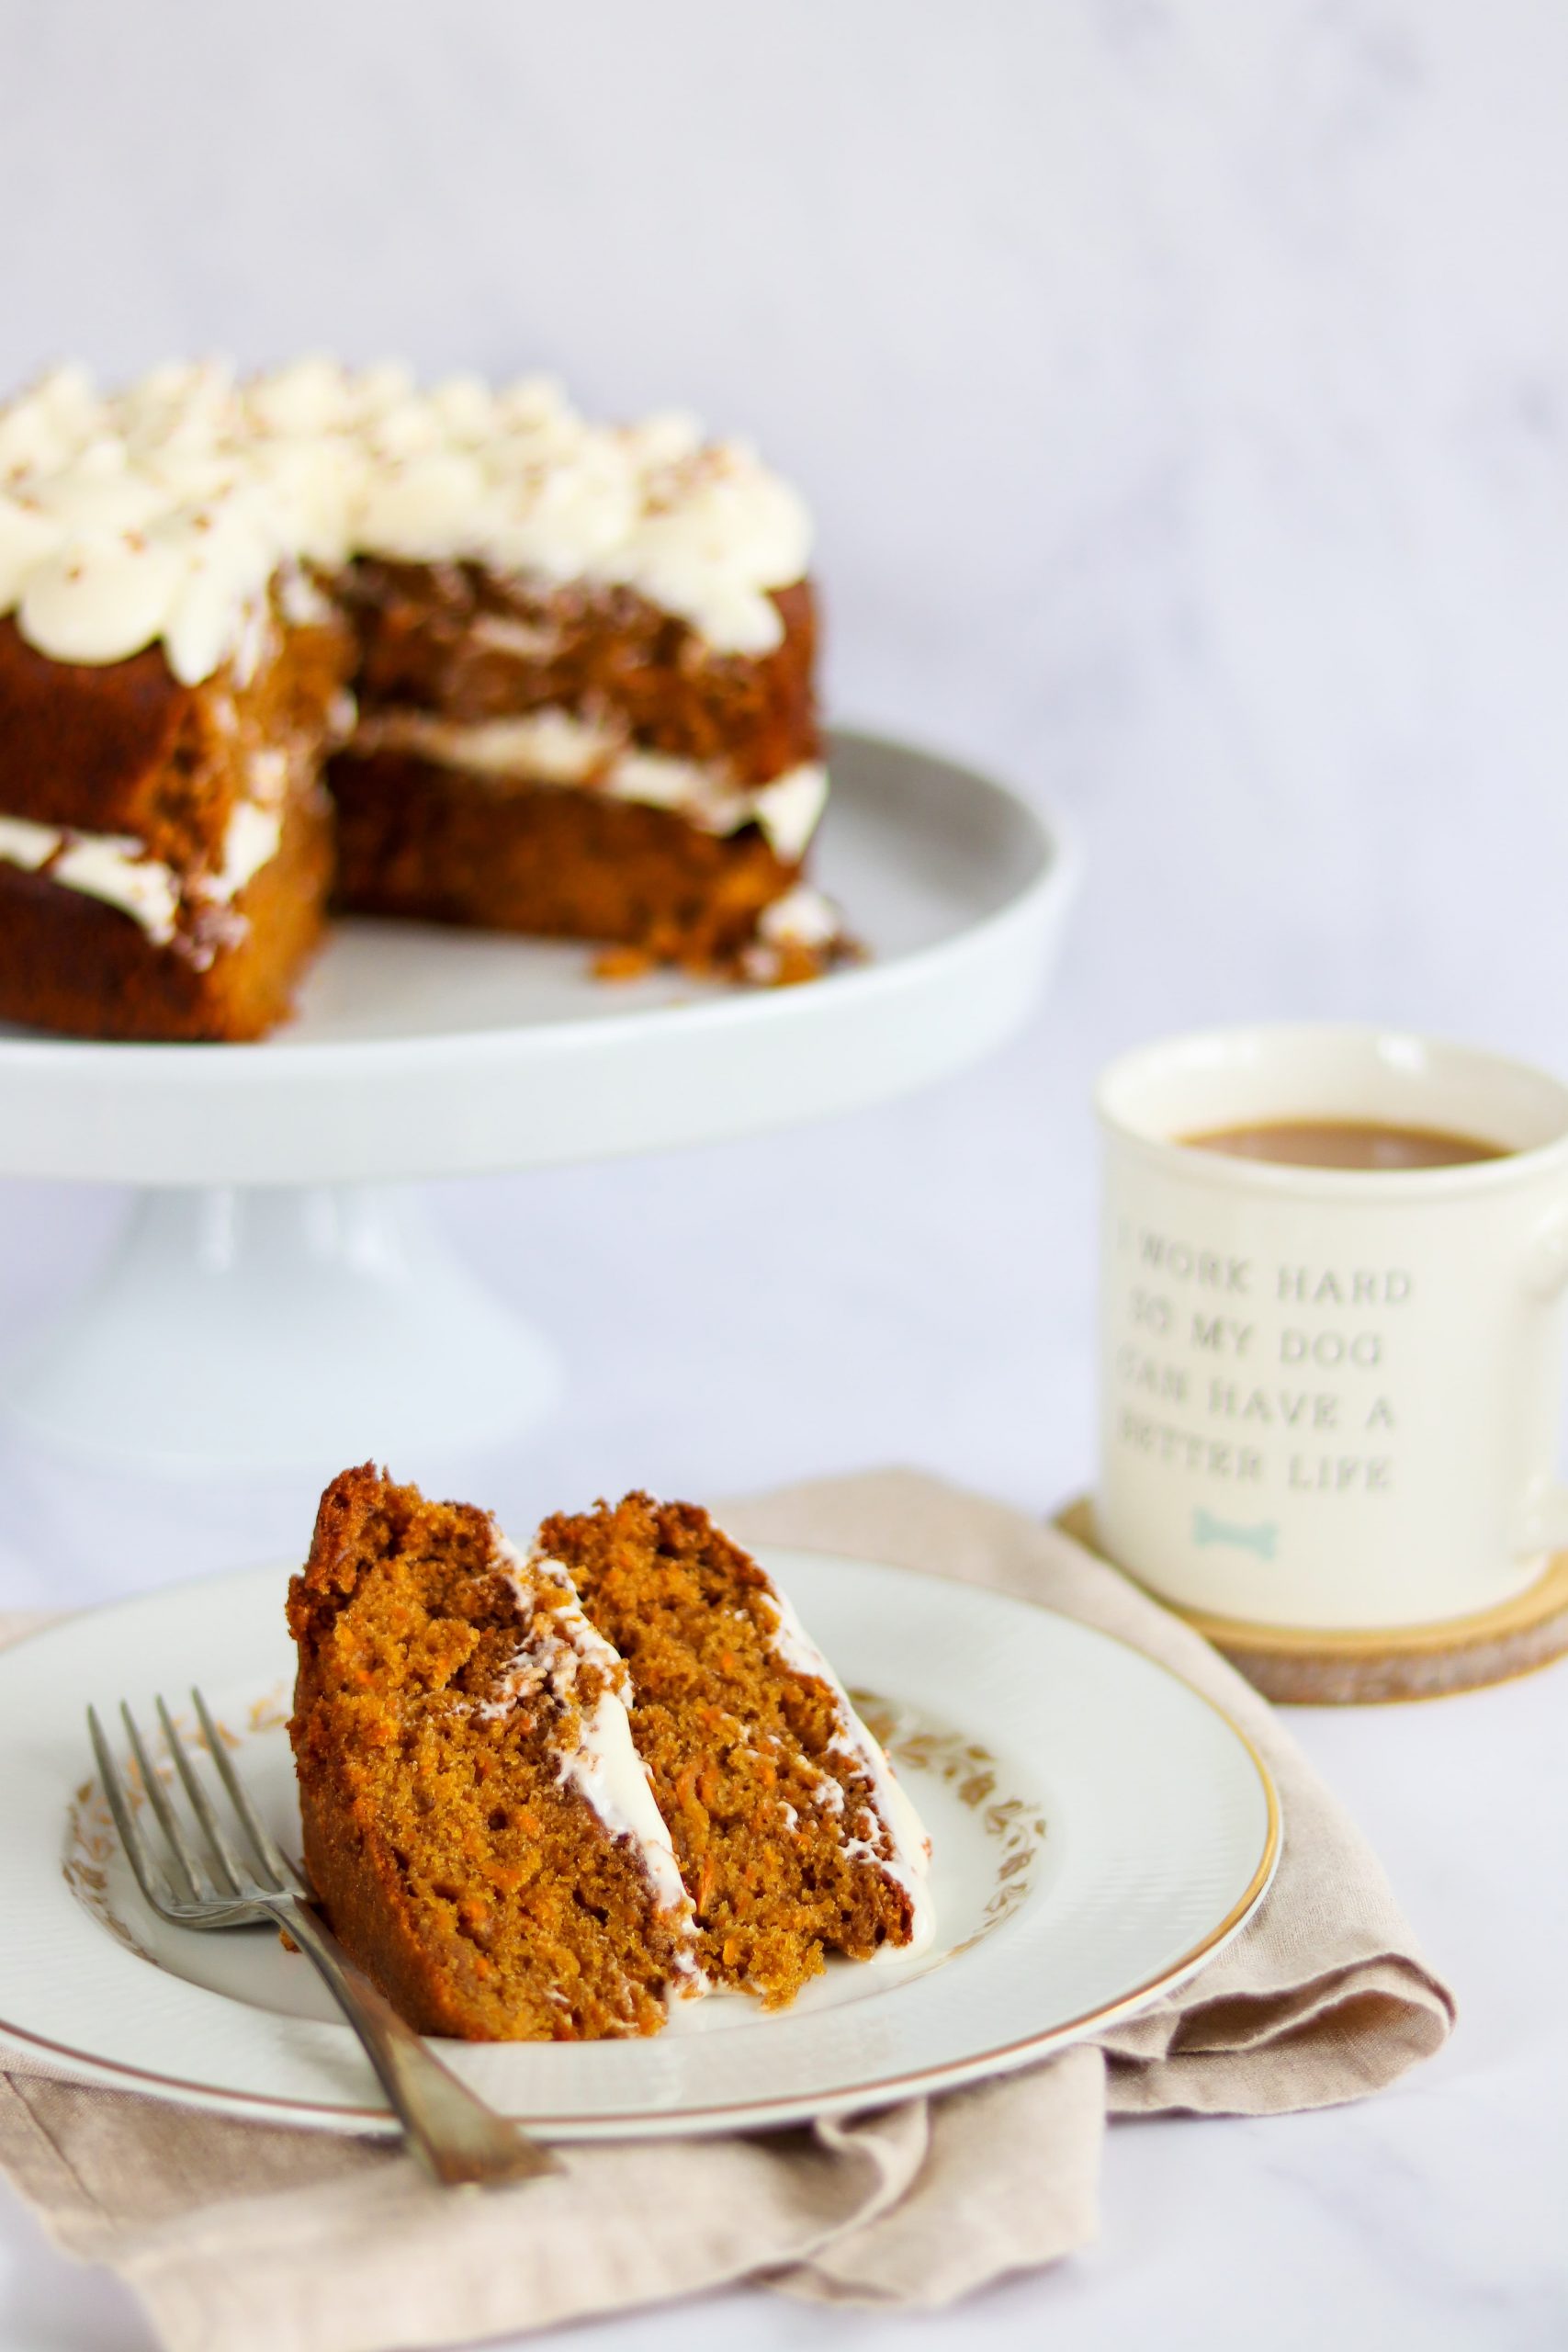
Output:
(607, 1769)
(163, 511)
(557, 746)
(111, 866)
(116, 867)
(804, 918)
(909, 1863)
(604, 1767)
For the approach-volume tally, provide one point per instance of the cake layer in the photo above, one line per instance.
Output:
(123, 748)
(477, 1824)
(469, 645)
(86, 744)
(486, 703)
(74, 961)
(165, 849)
(440, 844)
(793, 1836)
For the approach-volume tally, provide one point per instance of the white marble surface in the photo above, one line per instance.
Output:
(1184, 391)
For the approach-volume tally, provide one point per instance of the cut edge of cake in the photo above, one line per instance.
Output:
(628, 606)
(905, 1853)
(765, 1825)
(793, 1834)
(478, 1827)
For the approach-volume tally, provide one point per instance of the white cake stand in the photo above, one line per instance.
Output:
(276, 1300)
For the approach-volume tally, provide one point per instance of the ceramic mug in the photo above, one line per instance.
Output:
(1330, 1397)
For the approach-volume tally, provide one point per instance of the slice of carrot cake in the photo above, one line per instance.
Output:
(477, 1823)
(793, 1836)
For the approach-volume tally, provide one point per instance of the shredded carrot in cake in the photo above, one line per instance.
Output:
(773, 1819)
(443, 1690)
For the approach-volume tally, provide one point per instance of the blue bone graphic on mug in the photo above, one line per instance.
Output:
(1261, 1539)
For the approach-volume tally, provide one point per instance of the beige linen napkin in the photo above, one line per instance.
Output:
(238, 2236)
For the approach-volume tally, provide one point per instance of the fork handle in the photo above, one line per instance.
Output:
(450, 2130)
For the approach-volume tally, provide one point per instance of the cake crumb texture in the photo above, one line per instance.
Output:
(756, 1769)
(444, 1689)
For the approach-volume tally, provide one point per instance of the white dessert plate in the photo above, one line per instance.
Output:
(1098, 1831)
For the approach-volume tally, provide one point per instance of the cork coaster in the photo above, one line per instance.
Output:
(1318, 1668)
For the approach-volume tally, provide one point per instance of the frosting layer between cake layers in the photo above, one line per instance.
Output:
(603, 1765)
(556, 747)
(117, 869)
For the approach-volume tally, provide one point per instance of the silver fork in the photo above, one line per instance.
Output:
(455, 2136)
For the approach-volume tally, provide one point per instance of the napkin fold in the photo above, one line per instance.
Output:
(237, 2236)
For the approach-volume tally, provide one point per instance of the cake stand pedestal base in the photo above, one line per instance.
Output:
(274, 1306)
(240, 1327)
(1312, 1667)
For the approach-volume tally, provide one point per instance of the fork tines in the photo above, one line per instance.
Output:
(177, 1883)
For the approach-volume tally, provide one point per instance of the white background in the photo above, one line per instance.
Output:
(1182, 391)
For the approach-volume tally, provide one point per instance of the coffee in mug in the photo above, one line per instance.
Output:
(1334, 1268)
(1346, 1143)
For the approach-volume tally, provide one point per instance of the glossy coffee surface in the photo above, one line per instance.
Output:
(1346, 1143)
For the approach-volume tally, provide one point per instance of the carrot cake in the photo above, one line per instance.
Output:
(793, 1836)
(477, 1824)
(492, 665)
(543, 1795)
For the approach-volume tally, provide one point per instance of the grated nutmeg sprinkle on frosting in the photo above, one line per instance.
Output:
(161, 512)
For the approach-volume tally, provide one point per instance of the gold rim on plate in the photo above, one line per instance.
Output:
(1004, 2057)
